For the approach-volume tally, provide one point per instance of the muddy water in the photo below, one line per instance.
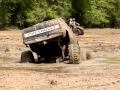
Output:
(112, 60)
(9, 63)
(13, 64)
(100, 73)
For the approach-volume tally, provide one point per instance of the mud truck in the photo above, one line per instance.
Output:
(52, 38)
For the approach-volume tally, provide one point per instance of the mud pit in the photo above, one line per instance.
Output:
(100, 73)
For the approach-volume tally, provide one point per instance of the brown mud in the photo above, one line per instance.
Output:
(102, 72)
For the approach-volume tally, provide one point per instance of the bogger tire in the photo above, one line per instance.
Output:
(80, 31)
(74, 54)
(27, 56)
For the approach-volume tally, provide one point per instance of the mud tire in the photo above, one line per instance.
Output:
(80, 31)
(74, 54)
(27, 56)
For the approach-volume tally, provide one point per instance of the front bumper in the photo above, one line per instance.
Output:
(52, 37)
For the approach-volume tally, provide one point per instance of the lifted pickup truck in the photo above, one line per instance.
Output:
(53, 38)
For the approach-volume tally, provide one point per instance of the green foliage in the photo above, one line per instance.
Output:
(47, 9)
(96, 14)
(13, 11)
(89, 13)
(117, 14)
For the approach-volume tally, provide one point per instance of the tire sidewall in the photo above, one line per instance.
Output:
(74, 54)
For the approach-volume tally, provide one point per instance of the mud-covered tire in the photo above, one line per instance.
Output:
(80, 31)
(74, 54)
(27, 56)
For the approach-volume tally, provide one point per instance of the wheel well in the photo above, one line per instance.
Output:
(66, 40)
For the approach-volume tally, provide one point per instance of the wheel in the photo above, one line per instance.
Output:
(80, 31)
(74, 53)
(27, 56)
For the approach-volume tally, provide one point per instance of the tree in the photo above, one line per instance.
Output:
(13, 11)
(115, 14)
(79, 8)
(90, 13)
(93, 13)
(47, 9)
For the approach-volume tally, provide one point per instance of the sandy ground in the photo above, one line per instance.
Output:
(100, 73)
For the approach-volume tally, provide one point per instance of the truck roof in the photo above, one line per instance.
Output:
(48, 23)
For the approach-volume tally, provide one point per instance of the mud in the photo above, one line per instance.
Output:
(102, 72)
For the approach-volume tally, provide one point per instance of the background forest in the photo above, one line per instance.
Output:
(89, 13)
